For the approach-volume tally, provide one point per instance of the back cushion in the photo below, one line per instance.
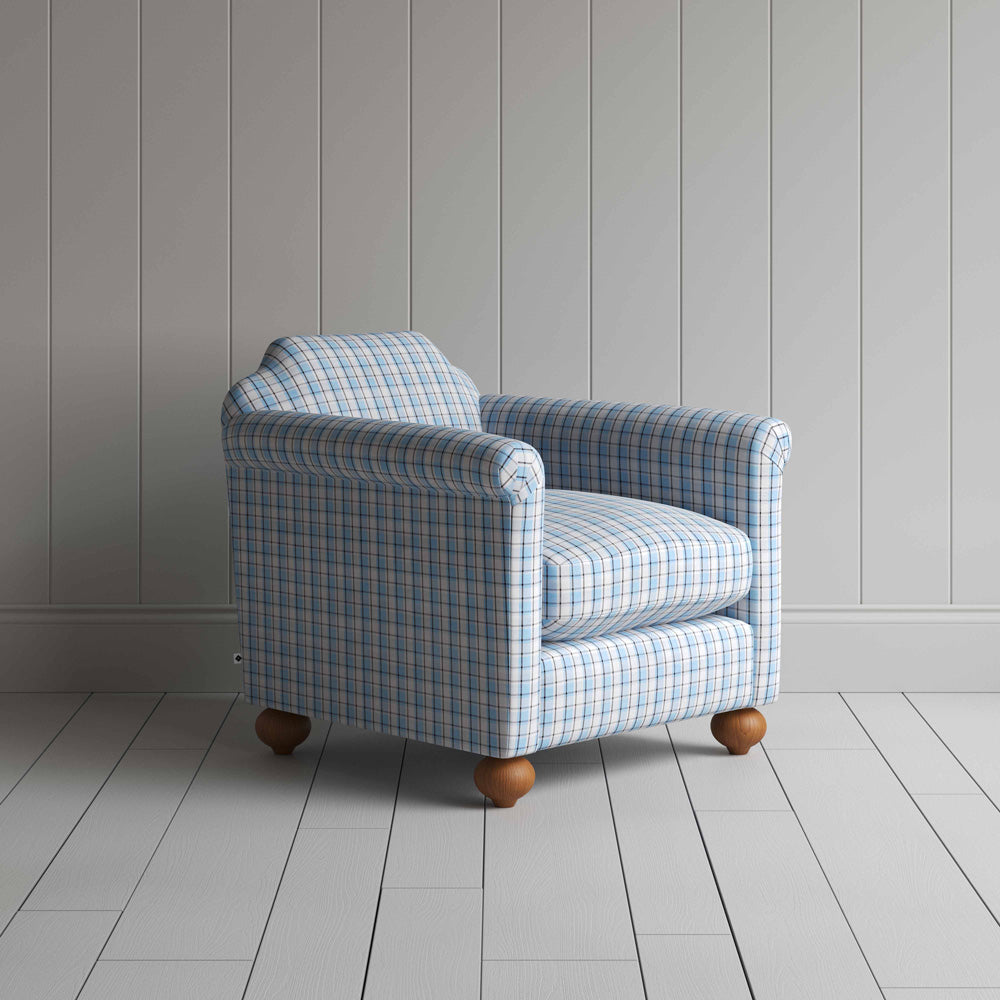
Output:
(382, 376)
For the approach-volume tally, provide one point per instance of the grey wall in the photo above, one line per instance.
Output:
(789, 207)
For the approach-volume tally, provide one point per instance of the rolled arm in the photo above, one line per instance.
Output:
(720, 463)
(422, 457)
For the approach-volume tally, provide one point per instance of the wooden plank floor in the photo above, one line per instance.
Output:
(152, 848)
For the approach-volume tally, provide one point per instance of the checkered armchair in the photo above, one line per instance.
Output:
(496, 573)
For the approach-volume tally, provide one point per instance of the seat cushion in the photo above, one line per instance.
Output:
(612, 563)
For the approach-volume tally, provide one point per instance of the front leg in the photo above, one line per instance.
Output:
(282, 731)
(739, 730)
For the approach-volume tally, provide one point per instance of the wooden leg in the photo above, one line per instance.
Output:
(739, 730)
(504, 780)
(282, 731)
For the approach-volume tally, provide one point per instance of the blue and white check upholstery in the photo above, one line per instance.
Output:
(498, 575)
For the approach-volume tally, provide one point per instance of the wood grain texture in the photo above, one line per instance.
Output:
(813, 955)
(275, 175)
(318, 934)
(24, 270)
(365, 173)
(28, 723)
(969, 825)
(717, 780)
(918, 920)
(967, 724)
(94, 301)
(959, 994)
(38, 815)
(208, 889)
(815, 187)
(437, 833)
(635, 201)
(103, 859)
(184, 722)
(455, 137)
(695, 967)
(975, 299)
(904, 305)
(47, 956)
(184, 259)
(540, 902)
(915, 753)
(356, 781)
(167, 981)
(504, 781)
(426, 945)
(813, 722)
(670, 885)
(569, 980)
(545, 190)
(724, 205)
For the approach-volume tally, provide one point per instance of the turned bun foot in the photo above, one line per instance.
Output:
(282, 731)
(504, 780)
(739, 730)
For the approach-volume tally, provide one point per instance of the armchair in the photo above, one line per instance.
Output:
(498, 574)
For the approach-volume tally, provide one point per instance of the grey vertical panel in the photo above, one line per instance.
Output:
(24, 198)
(94, 301)
(545, 346)
(724, 204)
(905, 301)
(815, 274)
(975, 299)
(456, 133)
(635, 163)
(185, 298)
(275, 176)
(365, 166)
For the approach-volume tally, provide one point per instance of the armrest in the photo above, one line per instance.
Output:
(723, 464)
(422, 457)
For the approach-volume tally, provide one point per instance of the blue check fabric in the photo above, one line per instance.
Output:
(612, 563)
(725, 465)
(384, 376)
(389, 551)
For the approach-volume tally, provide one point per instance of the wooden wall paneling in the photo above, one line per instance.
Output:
(904, 301)
(184, 557)
(95, 301)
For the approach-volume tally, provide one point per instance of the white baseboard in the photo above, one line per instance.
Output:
(190, 647)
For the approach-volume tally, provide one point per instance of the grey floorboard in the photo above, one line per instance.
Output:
(718, 780)
(356, 780)
(553, 881)
(41, 811)
(917, 919)
(167, 981)
(915, 753)
(968, 725)
(101, 862)
(317, 938)
(47, 956)
(604, 980)
(812, 721)
(426, 945)
(28, 722)
(941, 994)
(670, 885)
(692, 967)
(185, 722)
(969, 826)
(209, 887)
(437, 832)
(792, 935)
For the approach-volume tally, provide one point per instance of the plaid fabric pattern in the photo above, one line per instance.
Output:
(382, 376)
(718, 463)
(613, 683)
(393, 570)
(614, 563)
(389, 576)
